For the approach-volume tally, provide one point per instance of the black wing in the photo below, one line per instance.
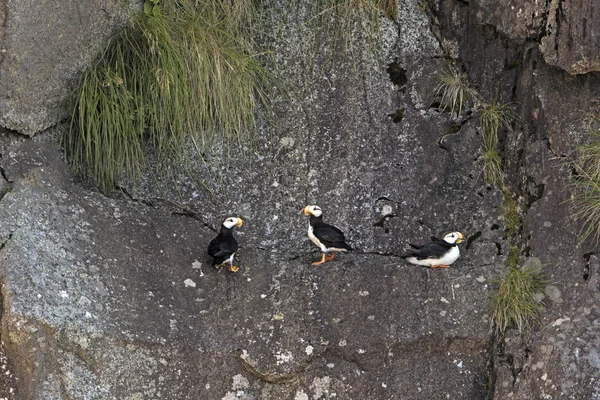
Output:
(221, 248)
(430, 250)
(330, 236)
(433, 239)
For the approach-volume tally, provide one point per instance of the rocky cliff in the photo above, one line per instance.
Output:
(111, 297)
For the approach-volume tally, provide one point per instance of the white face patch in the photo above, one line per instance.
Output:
(230, 222)
(315, 210)
(451, 237)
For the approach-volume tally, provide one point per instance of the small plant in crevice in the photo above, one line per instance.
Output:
(510, 215)
(453, 89)
(493, 173)
(178, 77)
(340, 22)
(586, 187)
(514, 304)
(492, 117)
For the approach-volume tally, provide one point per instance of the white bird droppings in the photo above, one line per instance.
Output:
(189, 283)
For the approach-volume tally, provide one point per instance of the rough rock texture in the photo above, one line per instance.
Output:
(102, 297)
(571, 40)
(44, 47)
(558, 359)
(566, 31)
(95, 298)
(102, 300)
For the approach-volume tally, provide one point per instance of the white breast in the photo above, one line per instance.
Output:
(447, 259)
(451, 256)
(314, 239)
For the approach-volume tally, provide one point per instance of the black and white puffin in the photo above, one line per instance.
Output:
(223, 247)
(327, 237)
(437, 253)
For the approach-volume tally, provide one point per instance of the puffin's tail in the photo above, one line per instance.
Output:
(344, 245)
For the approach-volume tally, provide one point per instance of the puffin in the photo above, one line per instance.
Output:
(327, 237)
(223, 247)
(439, 253)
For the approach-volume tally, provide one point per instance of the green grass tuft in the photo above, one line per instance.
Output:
(512, 258)
(182, 76)
(493, 173)
(586, 187)
(492, 117)
(453, 89)
(342, 21)
(495, 115)
(514, 303)
(510, 214)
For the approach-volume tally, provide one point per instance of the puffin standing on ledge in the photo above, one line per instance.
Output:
(438, 253)
(223, 247)
(327, 237)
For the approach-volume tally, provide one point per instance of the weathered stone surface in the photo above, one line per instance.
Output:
(102, 297)
(565, 31)
(559, 358)
(556, 359)
(2, 25)
(44, 47)
(517, 19)
(119, 318)
(571, 36)
(96, 306)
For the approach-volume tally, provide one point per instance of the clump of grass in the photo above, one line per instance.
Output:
(493, 173)
(510, 214)
(341, 20)
(453, 89)
(512, 258)
(495, 115)
(514, 304)
(178, 75)
(388, 7)
(586, 185)
(492, 117)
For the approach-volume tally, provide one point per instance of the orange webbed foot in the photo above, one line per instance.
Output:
(328, 258)
(233, 268)
(321, 261)
(440, 266)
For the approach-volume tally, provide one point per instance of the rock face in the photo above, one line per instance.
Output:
(113, 297)
(44, 47)
(571, 40)
(103, 299)
(567, 31)
(558, 359)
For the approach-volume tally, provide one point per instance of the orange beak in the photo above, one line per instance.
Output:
(305, 211)
(240, 222)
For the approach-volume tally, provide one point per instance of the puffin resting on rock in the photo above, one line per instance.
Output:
(327, 237)
(223, 247)
(438, 253)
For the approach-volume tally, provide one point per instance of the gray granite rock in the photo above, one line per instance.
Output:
(362, 325)
(44, 47)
